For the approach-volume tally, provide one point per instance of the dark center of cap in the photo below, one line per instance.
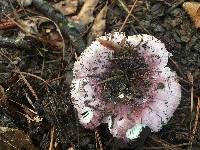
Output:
(128, 79)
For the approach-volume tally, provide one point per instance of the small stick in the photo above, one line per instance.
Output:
(190, 77)
(52, 136)
(126, 9)
(195, 123)
(28, 84)
(128, 16)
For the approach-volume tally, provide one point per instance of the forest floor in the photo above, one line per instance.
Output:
(36, 71)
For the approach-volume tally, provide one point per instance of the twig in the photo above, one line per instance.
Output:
(184, 80)
(35, 76)
(190, 77)
(166, 148)
(28, 84)
(165, 145)
(126, 9)
(52, 137)
(128, 16)
(196, 122)
(177, 66)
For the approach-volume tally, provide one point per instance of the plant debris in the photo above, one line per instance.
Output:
(193, 9)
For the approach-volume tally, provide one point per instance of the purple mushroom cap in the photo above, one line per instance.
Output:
(124, 81)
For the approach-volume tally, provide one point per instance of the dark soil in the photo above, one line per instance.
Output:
(23, 71)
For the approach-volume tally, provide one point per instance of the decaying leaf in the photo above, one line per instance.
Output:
(67, 7)
(43, 29)
(85, 15)
(14, 139)
(193, 9)
(99, 25)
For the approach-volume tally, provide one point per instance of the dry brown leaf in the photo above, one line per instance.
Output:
(67, 7)
(85, 15)
(193, 9)
(14, 139)
(99, 25)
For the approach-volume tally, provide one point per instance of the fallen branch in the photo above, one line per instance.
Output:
(67, 28)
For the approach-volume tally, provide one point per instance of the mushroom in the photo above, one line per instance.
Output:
(125, 82)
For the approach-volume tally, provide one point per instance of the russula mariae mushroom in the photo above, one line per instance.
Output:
(124, 82)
